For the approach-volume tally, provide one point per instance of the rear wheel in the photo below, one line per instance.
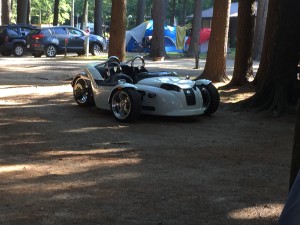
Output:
(83, 93)
(51, 51)
(126, 105)
(96, 49)
(211, 98)
(19, 50)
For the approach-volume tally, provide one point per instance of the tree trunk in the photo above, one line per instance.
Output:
(28, 16)
(6, 11)
(117, 30)
(215, 67)
(183, 13)
(56, 12)
(173, 12)
(140, 14)
(245, 28)
(295, 162)
(84, 15)
(262, 10)
(193, 50)
(158, 51)
(98, 17)
(276, 86)
(22, 11)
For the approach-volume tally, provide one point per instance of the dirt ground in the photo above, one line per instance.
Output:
(63, 164)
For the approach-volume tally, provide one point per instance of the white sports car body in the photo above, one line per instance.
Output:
(128, 90)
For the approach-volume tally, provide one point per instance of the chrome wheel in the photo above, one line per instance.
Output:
(126, 105)
(121, 105)
(19, 50)
(51, 51)
(96, 49)
(82, 93)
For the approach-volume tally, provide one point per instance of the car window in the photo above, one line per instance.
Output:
(60, 30)
(13, 32)
(75, 32)
(25, 31)
(34, 31)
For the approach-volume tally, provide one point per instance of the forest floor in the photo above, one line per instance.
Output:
(63, 164)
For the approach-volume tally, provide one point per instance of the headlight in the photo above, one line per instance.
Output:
(170, 87)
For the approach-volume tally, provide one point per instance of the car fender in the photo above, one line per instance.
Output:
(82, 75)
(202, 82)
(121, 85)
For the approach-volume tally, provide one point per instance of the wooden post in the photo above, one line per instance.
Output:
(295, 162)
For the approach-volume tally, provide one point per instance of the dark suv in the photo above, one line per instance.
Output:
(13, 39)
(54, 40)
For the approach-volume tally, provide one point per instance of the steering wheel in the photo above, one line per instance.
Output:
(138, 57)
(113, 62)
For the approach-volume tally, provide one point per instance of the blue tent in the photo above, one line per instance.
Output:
(145, 29)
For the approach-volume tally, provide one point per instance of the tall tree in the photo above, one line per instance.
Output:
(84, 15)
(245, 28)
(98, 12)
(262, 10)
(173, 12)
(158, 51)
(6, 11)
(276, 87)
(117, 29)
(140, 14)
(22, 11)
(56, 12)
(183, 12)
(28, 19)
(196, 26)
(215, 67)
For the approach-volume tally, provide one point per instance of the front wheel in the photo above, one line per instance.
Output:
(51, 51)
(96, 49)
(6, 53)
(83, 93)
(211, 98)
(126, 105)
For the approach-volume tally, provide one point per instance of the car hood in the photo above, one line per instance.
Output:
(158, 81)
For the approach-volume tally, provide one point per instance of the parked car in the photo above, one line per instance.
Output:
(13, 39)
(53, 40)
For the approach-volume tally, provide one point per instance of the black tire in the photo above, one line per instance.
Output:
(96, 49)
(18, 50)
(211, 98)
(125, 105)
(82, 92)
(51, 51)
(6, 53)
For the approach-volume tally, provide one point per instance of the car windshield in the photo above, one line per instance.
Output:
(34, 31)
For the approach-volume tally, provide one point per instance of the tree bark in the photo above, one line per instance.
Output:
(215, 67)
(277, 82)
(173, 12)
(158, 51)
(183, 13)
(140, 14)
(84, 19)
(117, 30)
(28, 16)
(262, 10)
(245, 28)
(295, 162)
(22, 11)
(56, 12)
(6, 11)
(98, 17)
(193, 50)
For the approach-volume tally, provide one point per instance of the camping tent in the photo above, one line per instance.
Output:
(145, 29)
(204, 35)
